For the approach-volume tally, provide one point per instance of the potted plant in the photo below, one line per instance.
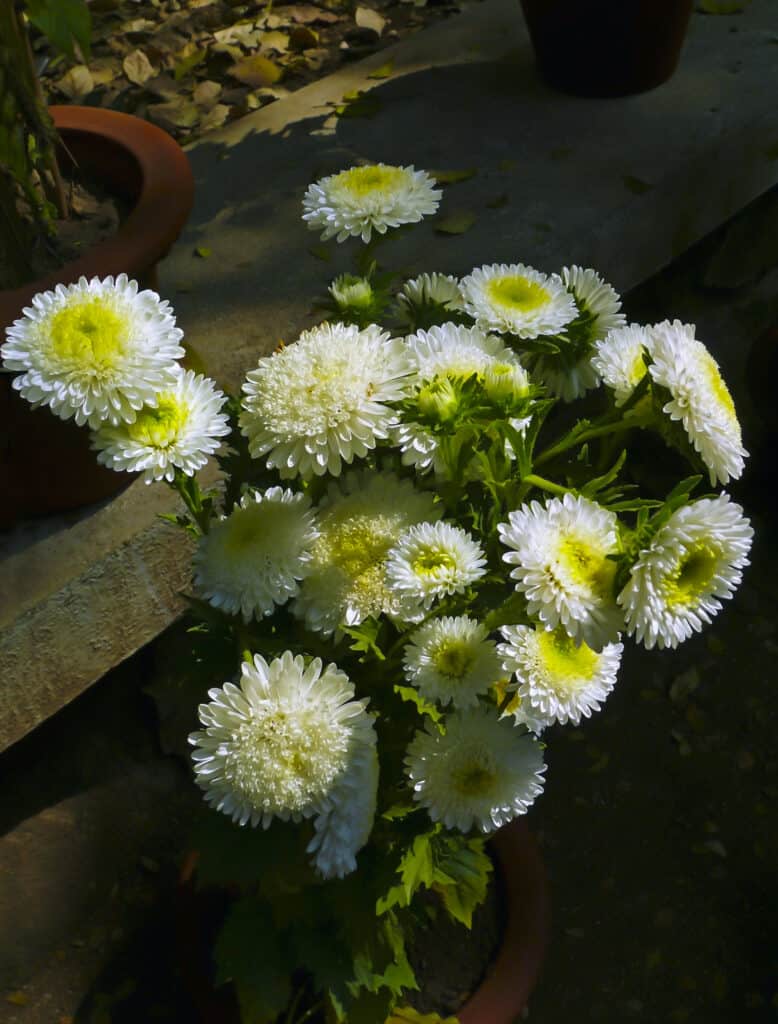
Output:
(607, 47)
(41, 151)
(420, 558)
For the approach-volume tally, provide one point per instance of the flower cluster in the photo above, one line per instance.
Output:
(418, 555)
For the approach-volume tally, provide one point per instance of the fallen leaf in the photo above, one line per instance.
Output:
(307, 14)
(366, 17)
(384, 71)
(303, 38)
(274, 40)
(178, 113)
(256, 71)
(103, 70)
(456, 223)
(77, 82)
(636, 185)
(188, 63)
(206, 93)
(451, 177)
(241, 34)
(137, 26)
(215, 117)
(203, 252)
(137, 67)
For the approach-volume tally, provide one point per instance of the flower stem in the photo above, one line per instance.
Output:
(189, 490)
(544, 485)
(579, 437)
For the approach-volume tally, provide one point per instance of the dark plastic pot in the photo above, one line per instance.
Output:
(607, 47)
(46, 465)
(499, 999)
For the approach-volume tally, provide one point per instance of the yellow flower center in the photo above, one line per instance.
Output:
(160, 427)
(263, 525)
(89, 332)
(718, 387)
(638, 369)
(363, 181)
(430, 561)
(475, 775)
(565, 662)
(454, 659)
(518, 292)
(692, 576)
(587, 566)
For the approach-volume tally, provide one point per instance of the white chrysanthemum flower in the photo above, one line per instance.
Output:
(179, 432)
(560, 553)
(618, 359)
(521, 712)
(596, 299)
(567, 381)
(451, 660)
(324, 400)
(440, 355)
(284, 743)
(434, 559)
(517, 299)
(341, 832)
(362, 199)
(252, 560)
(96, 350)
(478, 773)
(693, 562)
(428, 292)
(699, 398)
(359, 522)
(557, 679)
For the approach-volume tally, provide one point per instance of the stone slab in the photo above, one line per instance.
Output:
(623, 185)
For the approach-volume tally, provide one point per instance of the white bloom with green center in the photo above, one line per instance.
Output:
(180, 431)
(451, 660)
(434, 559)
(356, 202)
(325, 400)
(557, 679)
(289, 742)
(442, 356)
(619, 359)
(359, 522)
(516, 299)
(252, 560)
(699, 398)
(429, 290)
(693, 563)
(478, 773)
(560, 552)
(596, 299)
(340, 833)
(98, 351)
(567, 381)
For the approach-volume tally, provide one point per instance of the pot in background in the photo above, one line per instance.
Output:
(46, 464)
(607, 48)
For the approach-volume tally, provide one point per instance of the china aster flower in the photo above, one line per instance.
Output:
(478, 773)
(363, 199)
(342, 831)
(98, 351)
(567, 379)
(557, 679)
(180, 431)
(252, 560)
(699, 398)
(429, 296)
(433, 559)
(518, 300)
(560, 553)
(693, 563)
(325, 400)
(619, 359)
(359, 522)
(451, 660)
(596, 300)
(283, 743)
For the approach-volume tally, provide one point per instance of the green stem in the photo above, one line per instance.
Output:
(544, 485)
(573, 439)
(189, 490)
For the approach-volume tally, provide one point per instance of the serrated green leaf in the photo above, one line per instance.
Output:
(461, 875)
(416, 869)
(412, 696)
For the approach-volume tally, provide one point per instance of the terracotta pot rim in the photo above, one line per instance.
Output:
(157, 216)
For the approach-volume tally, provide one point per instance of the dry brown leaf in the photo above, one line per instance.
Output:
(256, 71)
(77, 82)
(137, 26)
(163, 86)
(366, 17)
(137, 67)
(178, 113)
(274, 40)
(307, 14)
(206, 93)
(303, 38)
(215, 117)
(104, 70)
(244, 34)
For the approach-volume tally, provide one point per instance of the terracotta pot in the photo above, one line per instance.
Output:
(607, 47)
(46, 465)
(499, 999)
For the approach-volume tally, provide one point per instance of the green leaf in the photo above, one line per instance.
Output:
(416, 869)
(452, 177)
(456, 223)
(462, 870)
(412, 696)
(250, 953)
(369, 1007)
(599, 483)
(365, 637)
(65, 23)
